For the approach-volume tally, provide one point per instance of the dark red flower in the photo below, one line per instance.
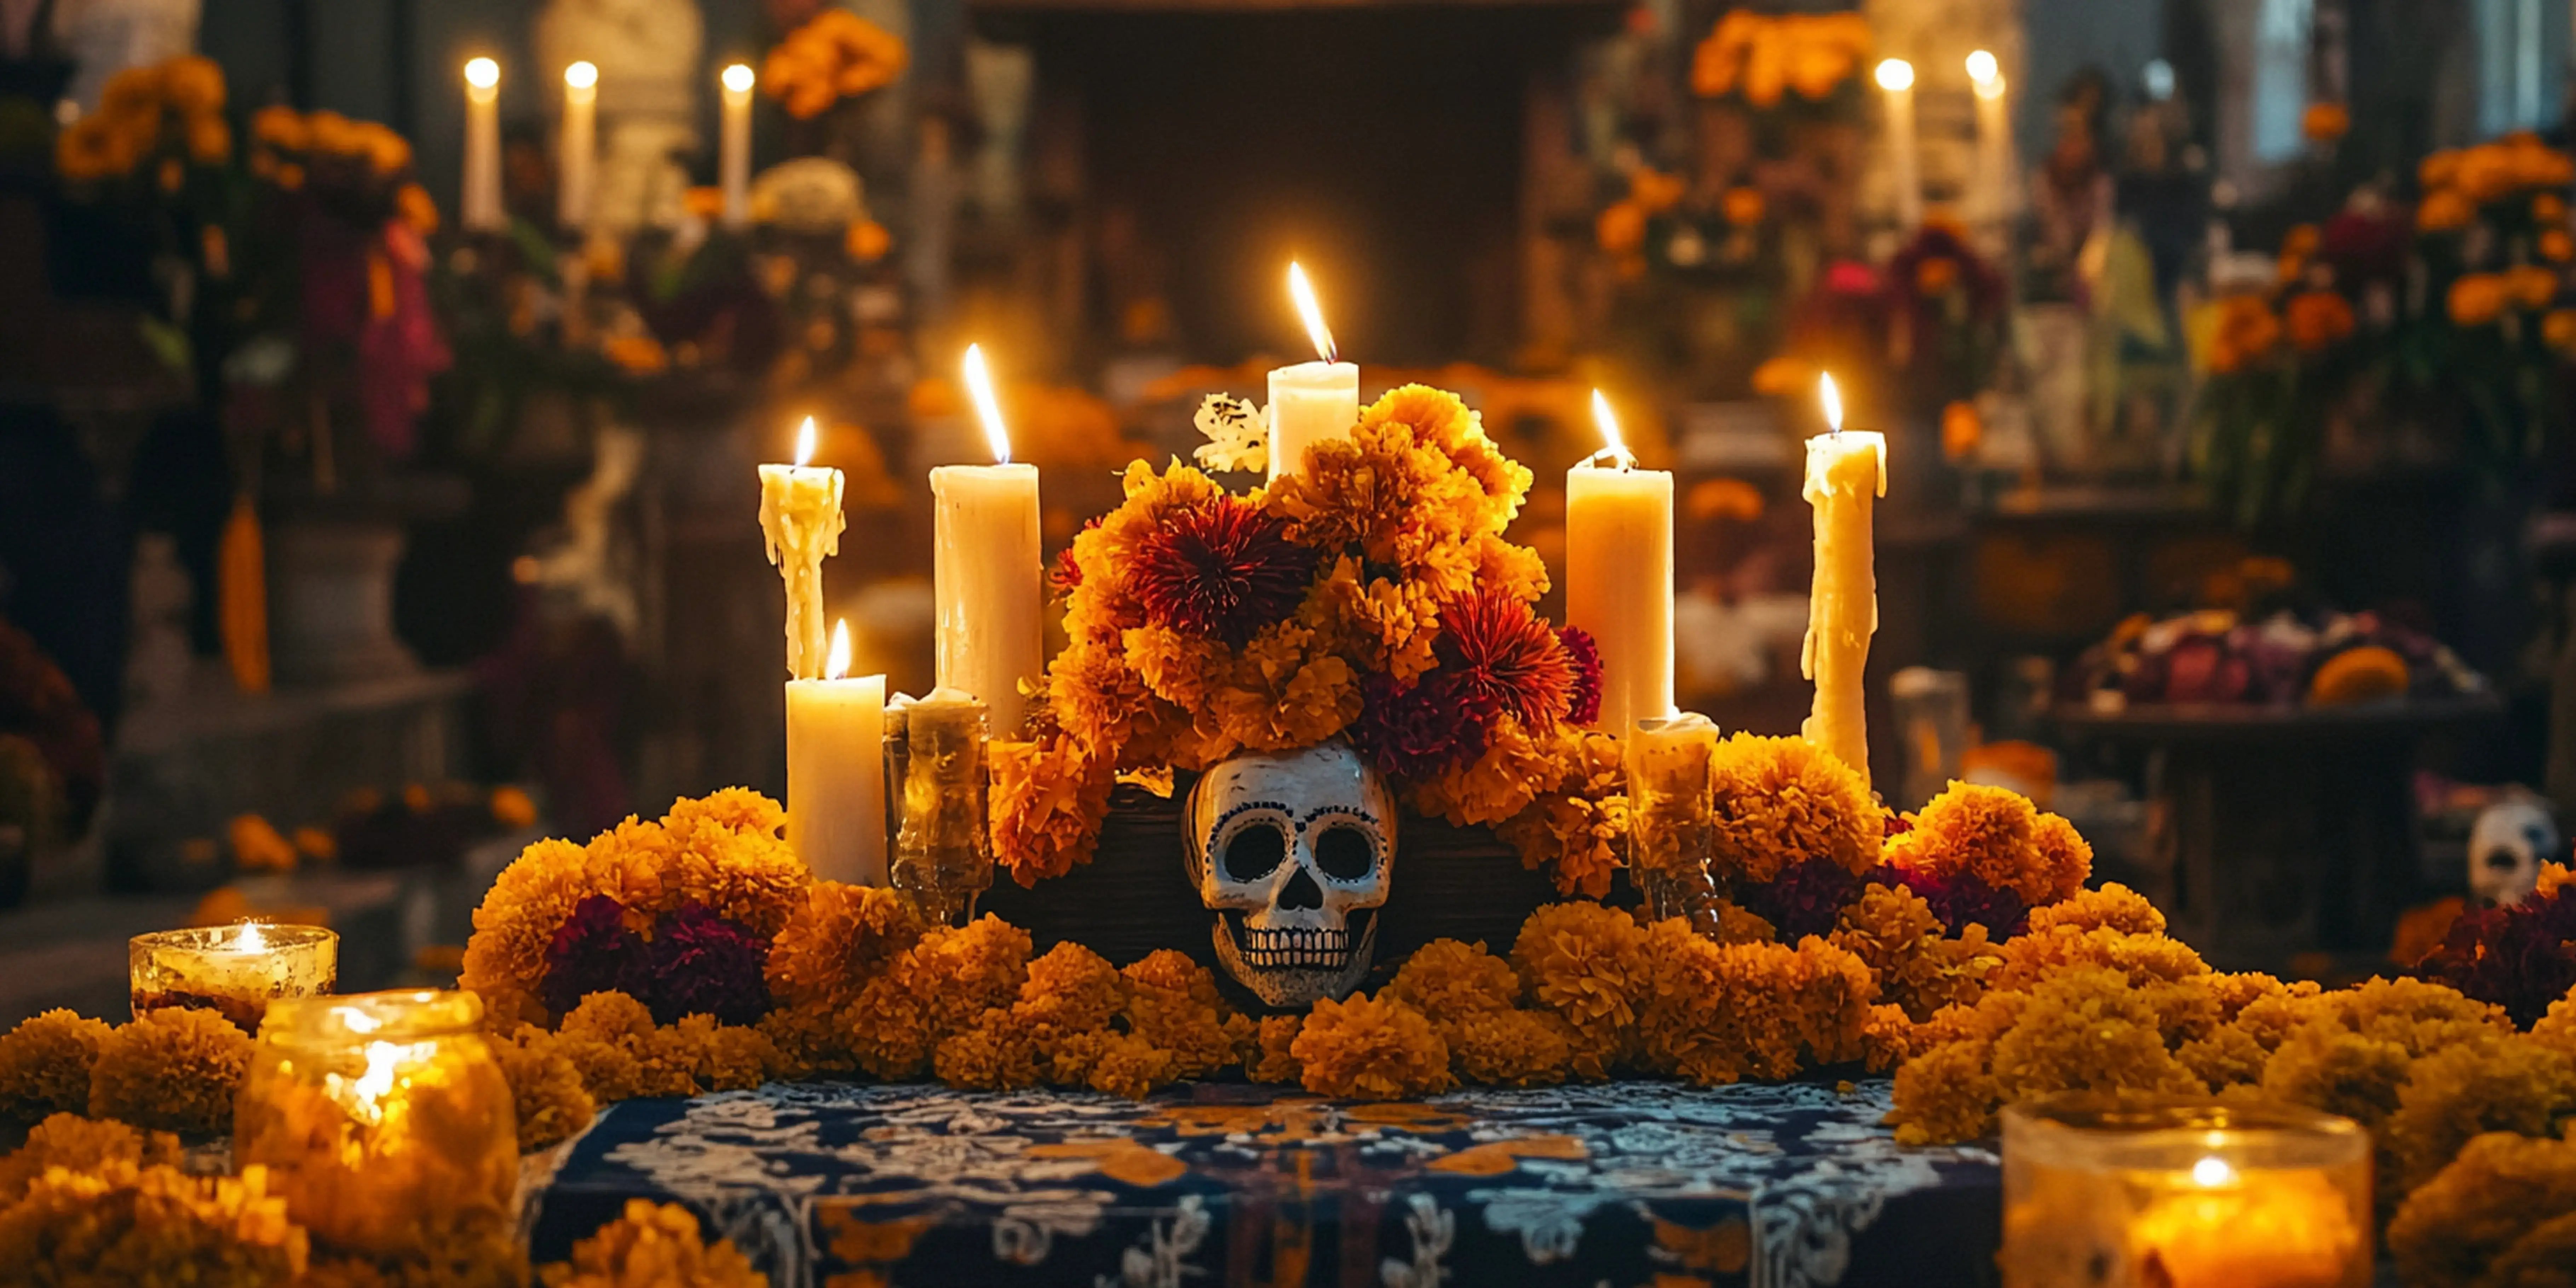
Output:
(1958, 898)
(1419, 732)
(594, 952)
(1067, 576)
(1586, 657)
(1807, 898)
(706, 965)
(1496, 649)
(1223, 571)
(2521, 957)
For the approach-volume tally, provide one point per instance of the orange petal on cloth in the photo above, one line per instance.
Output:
(1119, 1160)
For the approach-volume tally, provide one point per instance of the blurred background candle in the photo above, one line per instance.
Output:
(235, 970)
(835, 770)
(1310, 401)
(1846, 473)
(800, 516)
(734, 157)
(1904, 170)
(480, 202)
(985, 565)
(2184, 1194)
(1992, 189)
(579, 148)
(1619, 575)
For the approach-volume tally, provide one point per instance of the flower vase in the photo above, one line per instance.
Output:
(943, 851)
(1673, 829)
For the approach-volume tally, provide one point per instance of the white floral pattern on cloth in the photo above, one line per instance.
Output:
(1783, 1186)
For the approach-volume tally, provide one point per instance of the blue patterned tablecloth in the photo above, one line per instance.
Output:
(1634, 1183)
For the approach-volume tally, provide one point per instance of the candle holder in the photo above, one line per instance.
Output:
(1672, 824)
(943, 851)
(235, 971)
(2186, 1193)
(383, 1120)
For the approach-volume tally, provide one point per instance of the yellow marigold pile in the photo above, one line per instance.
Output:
(2502, 1213)
(722, 852)
(172, 112)
(1473, 1001)
(123, 1223)
(1783, 800)
(81, 1145)
(174, 1069)
(836, 55)
(1919, 968)
(546, 1087)
(1997, 836)
(1371, 1048)
(45, 1065)
(1581, 824)
(652, 1245)
(612, 1044)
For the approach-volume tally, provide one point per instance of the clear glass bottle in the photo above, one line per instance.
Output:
(383, 1120)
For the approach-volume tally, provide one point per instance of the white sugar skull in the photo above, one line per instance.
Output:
(1294, 853)
(2505, 851)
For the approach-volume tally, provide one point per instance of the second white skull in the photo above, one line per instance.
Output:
(1294, 852)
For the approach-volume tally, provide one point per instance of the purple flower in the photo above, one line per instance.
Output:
(1587, 675)
(1807, 898)
(2517, 957)
(1419, 732)
(594, 952)
(704, 964)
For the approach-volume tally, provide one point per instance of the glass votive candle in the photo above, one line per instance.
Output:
(382, 1118)
(235, 970)
(2183, 1193)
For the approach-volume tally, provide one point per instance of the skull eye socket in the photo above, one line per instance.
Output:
(1254, 851)
(1345, 853)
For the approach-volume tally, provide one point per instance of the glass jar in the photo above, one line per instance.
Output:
(382, 1118)
(2106, 1192)
(235, 970)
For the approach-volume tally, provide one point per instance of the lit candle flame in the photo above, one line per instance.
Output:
(1832, 399)
(1895, 74)
(2211, 1172)
(581, 75)
(1982, 66)
(738, 78)
(805, 442)
(1302, 291)
(482, 73)
(838, 667)
(979, 386)
(1608, 420)
(252, 938)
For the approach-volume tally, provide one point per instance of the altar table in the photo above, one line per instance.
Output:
(1631, 1183)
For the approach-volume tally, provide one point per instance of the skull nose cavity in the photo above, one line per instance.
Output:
(1301, 892)
(1254, 851)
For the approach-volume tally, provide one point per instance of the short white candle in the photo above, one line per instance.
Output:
(1846, 473)
(480, 202)
(835, 770)
(1310, 402)
(801, 520)
(579, 150)
(1619, 576)
(985, 564)
(734, 159)
(1896, 80)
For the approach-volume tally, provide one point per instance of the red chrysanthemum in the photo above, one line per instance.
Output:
(1419, 732)
(1222, 571)
(1501, 652)
(1586, 657)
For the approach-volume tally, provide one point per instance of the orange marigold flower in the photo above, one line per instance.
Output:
(2555, 245)
(1784, 377)
(652, 1243)
(1781, 800)
(1277, 1059)
(2548, 208)
(2478, 299)
(1999, 836)
(2316, 319)
(2533, 287)
(2444, 210)
(1446, 978)
(840, 938)
(1371, 1048)
(1581, 823)
(1588, 963)
(2325, 122)
(1961, 430)
(2247, 332)
(1655, 191)
(2438, 170)
(1743, 206)
(2558, 329)
(1508, 1048)
(174, 1069)
(1893, 931)
(45, 1065)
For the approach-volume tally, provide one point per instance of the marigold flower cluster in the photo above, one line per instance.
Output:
(1919, 968)
(546, 1087)
(652, 1244)
(1371, 1048)
(687, 907)
(836, 55)
(2503, 1212)
(1759, 56)
(173, 1069)
(45, 1065)
(1782, 801)
(173, 111)
(1369, 595)
(1987, 855)
(122, 1222)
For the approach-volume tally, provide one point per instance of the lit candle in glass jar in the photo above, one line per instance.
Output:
(233, 970)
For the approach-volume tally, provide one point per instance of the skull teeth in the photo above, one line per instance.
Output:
(1327, 948)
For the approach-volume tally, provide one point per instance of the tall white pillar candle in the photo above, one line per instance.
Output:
(835, 770)
(985, 564)
(1310, 402)
(1619, 578)
(577, 161)
(1846, 473)
(1993, 185)
(733, 162)
(1904, 169)
(479, 203)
